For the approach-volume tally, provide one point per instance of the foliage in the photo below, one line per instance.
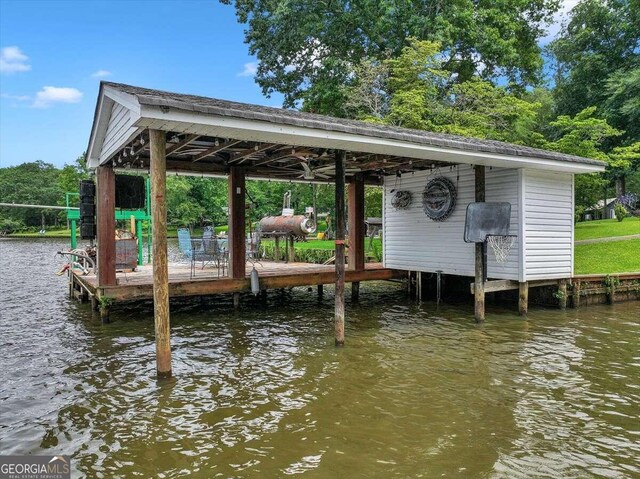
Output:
(307, 49)
(620, 211)
(597, 55)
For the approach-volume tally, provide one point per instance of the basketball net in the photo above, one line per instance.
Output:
(501, 246)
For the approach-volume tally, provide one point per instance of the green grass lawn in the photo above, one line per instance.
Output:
(607, 228)
(323, 244)
(609, 257)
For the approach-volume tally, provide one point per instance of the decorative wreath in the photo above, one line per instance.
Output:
(401, 199)
(439, 198)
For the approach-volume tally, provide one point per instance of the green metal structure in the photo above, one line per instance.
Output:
(73, 215)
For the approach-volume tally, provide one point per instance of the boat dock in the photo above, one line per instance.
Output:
(138, 285)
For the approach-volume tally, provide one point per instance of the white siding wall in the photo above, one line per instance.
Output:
(120, 129)
(414, 242)
(548, 224)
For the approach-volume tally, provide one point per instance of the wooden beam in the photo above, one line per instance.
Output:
(106, 221)
(209, 286)
(175, 147)
(523, 298)
(356, 229)
(340, 230)
(479, 311)
(237, 222)
(497, 285)
(160, 262)
(215, 149)
(240, 156)
(356, 222)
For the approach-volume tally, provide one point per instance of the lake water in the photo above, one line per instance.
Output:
(264, 393)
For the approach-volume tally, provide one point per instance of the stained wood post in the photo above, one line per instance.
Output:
(237, 248)
(340, 227)
(158, 170)
(106, 220)
(562, 293)
(356, 230)
(523, 298)
(576, 294)
(292, 250)
(480, 249)
(320, 291)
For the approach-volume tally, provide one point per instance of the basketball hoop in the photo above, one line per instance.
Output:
(501, 246)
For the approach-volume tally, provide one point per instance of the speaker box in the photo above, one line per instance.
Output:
(130, 194)
(87, 188)
(87, 231)
(87, 210)
(88, 200)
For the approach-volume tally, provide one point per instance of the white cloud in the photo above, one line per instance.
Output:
(52, 94)
(8, 96)
(101, 74)
(250, 69)
(13, 60)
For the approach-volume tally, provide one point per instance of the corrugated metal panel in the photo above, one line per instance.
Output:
(548, 223)
(414, 242)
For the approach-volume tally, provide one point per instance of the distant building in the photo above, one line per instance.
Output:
(603, 209)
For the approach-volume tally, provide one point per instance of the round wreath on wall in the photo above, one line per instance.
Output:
(439, 198)
(401, 199)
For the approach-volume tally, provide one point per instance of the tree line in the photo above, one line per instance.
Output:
(465, 67)
(460, 67)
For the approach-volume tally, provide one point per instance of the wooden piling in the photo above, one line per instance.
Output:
(237, 248)
(523, 298)
(576, 294)
(340, 233)
(320, 291)
(480, 250)
(158, 170)
(236, 300)
(106, 221)
(562, 293)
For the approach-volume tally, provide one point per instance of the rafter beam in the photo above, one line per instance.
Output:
(240, 156)
(175, 147)
(216, 149)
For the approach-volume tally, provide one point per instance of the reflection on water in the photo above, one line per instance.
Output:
(263, 392)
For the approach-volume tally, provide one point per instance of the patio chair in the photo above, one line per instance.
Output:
(184, 242)
(208, 250)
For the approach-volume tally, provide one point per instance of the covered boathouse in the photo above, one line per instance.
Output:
(164, 133)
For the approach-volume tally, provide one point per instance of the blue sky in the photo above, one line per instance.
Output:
(49, 81)
(54, 53)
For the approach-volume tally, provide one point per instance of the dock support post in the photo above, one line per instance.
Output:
(74, 238)
(105, 309)
(480, 249)
(562, 293)
(356, 230)
(158, 170)
(277, 248)
(139, 237)
(106, 219)
(236, 300)
(320, 291)
(523, 298)
(576, 294)
(236, 222)
(340, 227)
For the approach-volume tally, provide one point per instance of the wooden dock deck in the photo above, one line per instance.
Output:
(138, 285)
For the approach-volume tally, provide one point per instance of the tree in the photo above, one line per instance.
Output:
(584, 135)
(597, 55)
(307, 48)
